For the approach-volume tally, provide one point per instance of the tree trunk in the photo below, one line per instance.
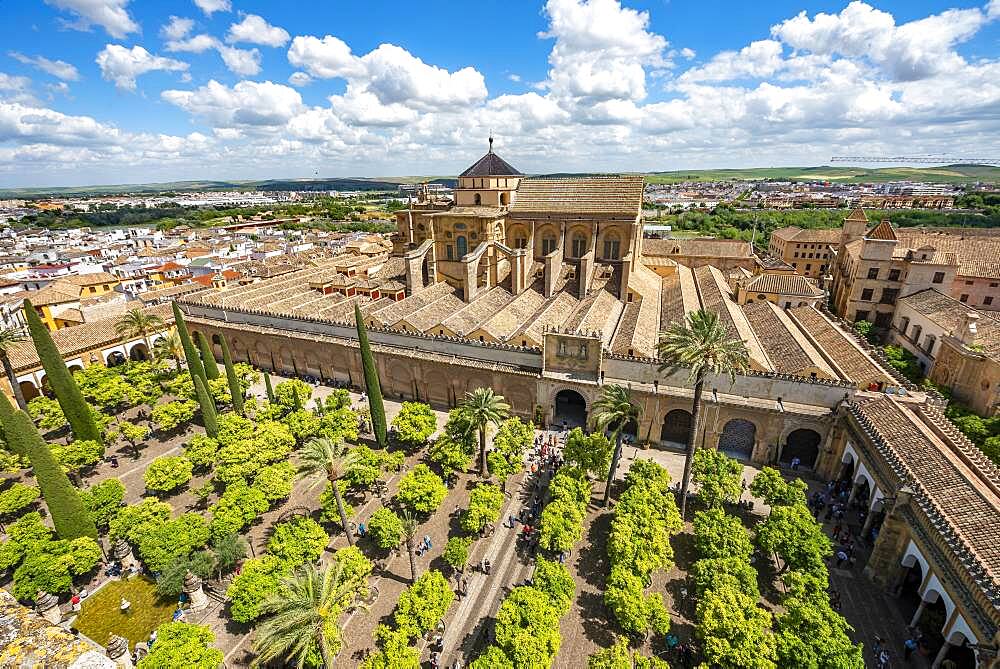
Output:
(12, 380)
(699, 386)
(413, 562)
(340, 510)
(483, 468)
(614, 467)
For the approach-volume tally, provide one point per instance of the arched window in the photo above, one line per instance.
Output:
(462, 245)
(478, 199)
(612, 247)
(548, 245)
(579, 245)
(503, 199)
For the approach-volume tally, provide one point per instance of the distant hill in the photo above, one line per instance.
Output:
(945, 174)
(838, 174)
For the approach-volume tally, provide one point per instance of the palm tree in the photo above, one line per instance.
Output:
(8, 338)
(613, 411)
(409, 534)
(334, 459)
(170, 346)
(302, 617)
(483, 407)
(137, 323)
(703, 344)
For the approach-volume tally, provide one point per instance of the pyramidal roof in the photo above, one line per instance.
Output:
(857, 215)
(490, 165)
(882, 231)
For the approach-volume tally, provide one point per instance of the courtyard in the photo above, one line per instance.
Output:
(468, 623)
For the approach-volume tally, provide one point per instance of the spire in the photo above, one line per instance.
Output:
(491, 142)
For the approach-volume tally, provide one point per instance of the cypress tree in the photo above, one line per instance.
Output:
(190, 353)
(372, 386)
(208, 357)
(267, 386)
(208, 413)
(69, 515)
(78, 413)
(234, 384)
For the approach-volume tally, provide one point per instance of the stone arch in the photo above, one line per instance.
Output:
(546, 239)
(570, 406)
(400, 379)
(803, 444)
(933, 591)
(115, 358)
(612, 245)
(676, 428)
(29, 390)
(138, 352)
(516, 232)
(437, 388)
(579, 241)
(738, 438)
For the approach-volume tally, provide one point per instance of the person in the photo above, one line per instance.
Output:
(114, 462)
(125, 605)
(841, 557)
(83, 593)
(75, 601)
(361, 529)
(883, 659)
(909, 646)
(486, 566)
(795, 463)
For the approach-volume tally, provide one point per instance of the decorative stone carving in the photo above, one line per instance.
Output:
(196, 595)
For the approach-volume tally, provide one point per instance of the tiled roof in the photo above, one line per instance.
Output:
(585, 195)
(977, 254)
(490, 165)
(883, 231)
(854, 363)
(783, 284)
(54, 294)
(945, 310)
(945, 483)
(807, 235)
(787, 352)
(470, 212)
(73, 340)
(89, 279)
(712, 248)
(858, 214)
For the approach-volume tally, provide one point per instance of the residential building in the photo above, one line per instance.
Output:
(805, 249)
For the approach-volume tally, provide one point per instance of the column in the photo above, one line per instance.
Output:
(919, 613)
(855, 489)
(942, 654)
(197, 600)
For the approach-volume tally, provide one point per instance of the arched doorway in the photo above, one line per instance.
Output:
(676, 429)
(29, 390)
(737, 439)
(115, 358)
(804, 445)
(139, 353)
(571, 408)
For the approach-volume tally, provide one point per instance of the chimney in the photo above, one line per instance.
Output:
(967, 330)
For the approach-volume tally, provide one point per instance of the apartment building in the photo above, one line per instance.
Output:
(806, 250)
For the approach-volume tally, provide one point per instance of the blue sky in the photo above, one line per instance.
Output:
(102, 91)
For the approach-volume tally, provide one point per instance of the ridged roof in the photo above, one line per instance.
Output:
(584, 195)
(882, 231)
(783, 284)
(490, 165)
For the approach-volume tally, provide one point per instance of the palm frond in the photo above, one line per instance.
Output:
(703, 344)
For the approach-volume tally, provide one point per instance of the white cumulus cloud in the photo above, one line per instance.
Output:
(176, 28)
(212, 6)
(248, 103)
(122, 65)
(254, 29)
(108, 14)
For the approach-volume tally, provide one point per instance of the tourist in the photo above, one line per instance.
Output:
(841, 557)
(909, 646)
(795, 463)
(75, 602)
(361, 529)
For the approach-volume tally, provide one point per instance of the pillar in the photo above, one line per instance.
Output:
(942, 654)
(919, 613)
(197, 600)
(117, 650)
(47, 606)
(855, 489)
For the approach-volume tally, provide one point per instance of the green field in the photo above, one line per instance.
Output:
(944, 174)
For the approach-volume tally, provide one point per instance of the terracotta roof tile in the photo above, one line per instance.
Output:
(618, 196)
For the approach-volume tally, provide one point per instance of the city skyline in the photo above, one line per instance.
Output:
(107, 91)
